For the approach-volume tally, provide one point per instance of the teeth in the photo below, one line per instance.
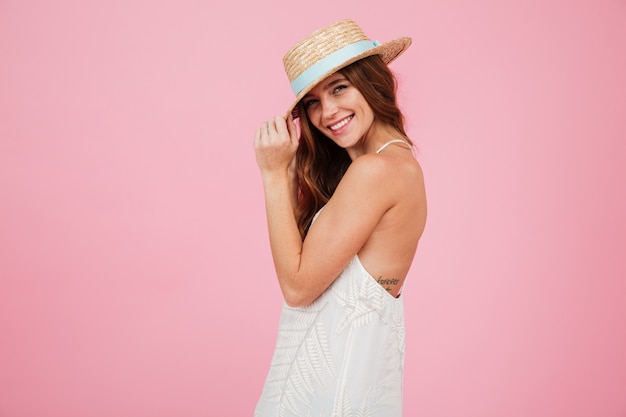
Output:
(340, 124)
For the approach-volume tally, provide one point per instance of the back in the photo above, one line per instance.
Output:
(388, 252)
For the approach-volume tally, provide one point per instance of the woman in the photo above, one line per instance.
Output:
(345, 209)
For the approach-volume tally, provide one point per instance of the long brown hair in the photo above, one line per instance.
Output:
(320, 163)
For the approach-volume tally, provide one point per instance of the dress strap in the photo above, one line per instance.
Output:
(394, 141)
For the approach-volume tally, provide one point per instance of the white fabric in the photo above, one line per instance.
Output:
(341, 356)
(394, 141)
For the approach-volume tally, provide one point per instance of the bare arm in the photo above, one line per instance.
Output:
(275, 145)
(306, 269)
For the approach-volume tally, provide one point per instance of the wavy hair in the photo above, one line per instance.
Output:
(320, 163)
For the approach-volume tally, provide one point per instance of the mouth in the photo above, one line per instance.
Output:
(340, 123)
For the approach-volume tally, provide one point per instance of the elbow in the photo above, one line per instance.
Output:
(297, 297)
(295, 301)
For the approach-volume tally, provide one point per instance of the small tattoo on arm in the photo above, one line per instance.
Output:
(386, 283)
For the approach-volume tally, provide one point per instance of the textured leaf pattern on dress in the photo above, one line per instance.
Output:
(315, 373)
(301, 357)
(344, 409)
(390, 385)
(366, 410)
(359, 299)
(342, 404)
(397, 324)
(318, 347)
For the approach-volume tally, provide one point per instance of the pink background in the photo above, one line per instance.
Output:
(135, 272)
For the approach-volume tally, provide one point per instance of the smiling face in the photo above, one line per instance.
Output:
(339, 111)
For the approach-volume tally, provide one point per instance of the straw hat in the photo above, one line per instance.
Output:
(329, 49)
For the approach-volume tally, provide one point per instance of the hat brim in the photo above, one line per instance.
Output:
(388, 52)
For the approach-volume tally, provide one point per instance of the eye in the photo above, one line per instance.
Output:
(310, 102)
(339, 88)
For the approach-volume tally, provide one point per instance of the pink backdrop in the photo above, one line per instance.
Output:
(135, 272)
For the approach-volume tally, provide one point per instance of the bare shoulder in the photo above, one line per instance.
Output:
(388, 169)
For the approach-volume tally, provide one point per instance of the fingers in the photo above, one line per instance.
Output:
(278, 132)
(291, 126)
(286, 130)
(263, 135)
(276, 144)
(265, 130)
(281, 127)
(268, 129)
(275, 130)
(271, 127)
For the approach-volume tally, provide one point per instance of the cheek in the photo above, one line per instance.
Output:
(367, 111)
(314, 117)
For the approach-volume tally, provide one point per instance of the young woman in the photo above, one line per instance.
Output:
(346, 207)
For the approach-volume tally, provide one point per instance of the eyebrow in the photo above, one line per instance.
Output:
(336, 81)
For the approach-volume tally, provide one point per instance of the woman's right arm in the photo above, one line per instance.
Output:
(306, 269)
(275, 145)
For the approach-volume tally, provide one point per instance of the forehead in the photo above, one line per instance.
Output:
(326, 83)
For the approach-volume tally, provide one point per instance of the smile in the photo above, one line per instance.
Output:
(340, 124)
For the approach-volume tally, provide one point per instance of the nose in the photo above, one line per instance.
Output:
(329, 107)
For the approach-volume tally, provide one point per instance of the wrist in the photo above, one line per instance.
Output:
(275, 176)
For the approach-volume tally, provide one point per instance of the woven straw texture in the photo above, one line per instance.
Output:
(320, 44)
(327, 40)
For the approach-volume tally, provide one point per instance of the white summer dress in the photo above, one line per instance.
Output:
(340, 356)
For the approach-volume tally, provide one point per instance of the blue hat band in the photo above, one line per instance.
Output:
(333, 60)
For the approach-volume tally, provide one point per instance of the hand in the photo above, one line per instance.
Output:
(275, 144)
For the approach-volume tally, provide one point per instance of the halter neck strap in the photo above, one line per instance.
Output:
(394, 141)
